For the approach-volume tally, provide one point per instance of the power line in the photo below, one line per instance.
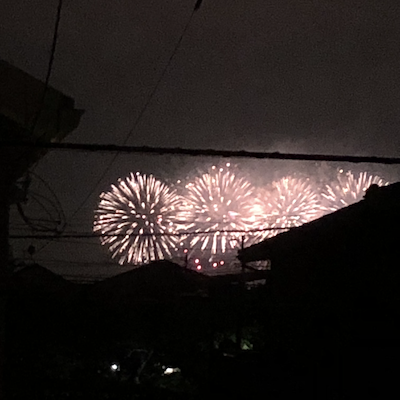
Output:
(112, 148)
(86, 235)
(143, 110)
(38, 113)
(74, 263)
(50, 64)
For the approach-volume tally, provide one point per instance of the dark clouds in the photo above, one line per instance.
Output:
(250, 74)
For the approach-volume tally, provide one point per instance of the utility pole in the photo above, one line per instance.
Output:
(242, 288)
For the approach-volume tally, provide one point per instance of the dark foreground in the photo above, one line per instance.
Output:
(72, 346)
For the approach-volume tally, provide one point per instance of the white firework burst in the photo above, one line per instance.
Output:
(289, 202)
(217, 202)
(137, 219)
(348, 189)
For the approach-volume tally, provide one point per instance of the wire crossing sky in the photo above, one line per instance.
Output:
(206, 152)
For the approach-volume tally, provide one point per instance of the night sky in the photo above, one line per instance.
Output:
(290, 76)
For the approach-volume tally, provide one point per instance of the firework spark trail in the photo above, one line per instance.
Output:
(348, 189)
(139, 216)
(219, 201)
(134, 215)
(290, 202)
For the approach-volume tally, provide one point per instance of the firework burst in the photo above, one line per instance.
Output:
(288, 203)
(219, 201)
(137, 219)
(348, 189)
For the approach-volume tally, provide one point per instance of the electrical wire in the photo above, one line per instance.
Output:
(50, 64)
(143, 110)
(47, 78)
(86, 235)
(53, 223)
(181, 151)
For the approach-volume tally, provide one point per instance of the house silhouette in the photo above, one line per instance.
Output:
(349, 257)
(334, 295)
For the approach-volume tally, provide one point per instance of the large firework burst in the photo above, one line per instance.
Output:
(289, 202)
(348, 189)
(137, 219)
(219, 201)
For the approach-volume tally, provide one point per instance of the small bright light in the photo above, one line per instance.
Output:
(199, 267)
(185, 251)
(228, 164)
(222, 262)
(196, 260)
(114, 367)
(170, 370)
(215, 265)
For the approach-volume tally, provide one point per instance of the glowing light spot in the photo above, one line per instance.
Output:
(114, 367)
(170, 370)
